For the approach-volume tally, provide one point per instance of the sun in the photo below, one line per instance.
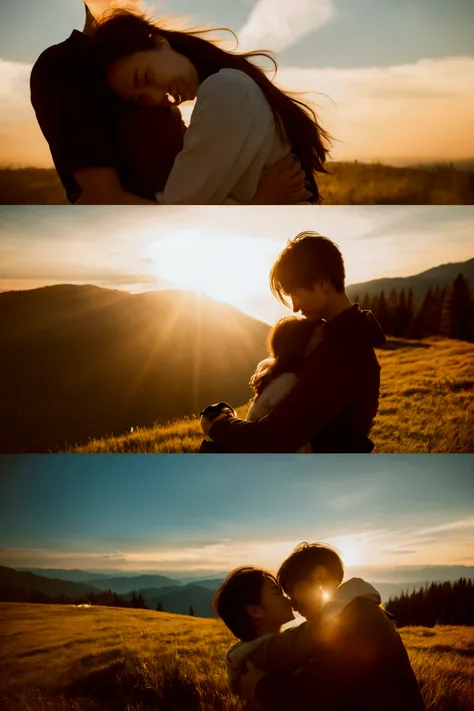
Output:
(352, 550)
(231, 269)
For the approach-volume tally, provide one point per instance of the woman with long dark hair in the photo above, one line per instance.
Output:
(277, 375)
(241, 125)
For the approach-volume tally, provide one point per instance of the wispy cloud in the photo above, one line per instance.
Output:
(415, 112)
(279, 24)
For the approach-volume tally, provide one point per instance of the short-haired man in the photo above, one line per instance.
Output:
(335, 401)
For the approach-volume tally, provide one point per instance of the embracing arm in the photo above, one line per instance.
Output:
(319, 396)
(101, 186)
(229, 122)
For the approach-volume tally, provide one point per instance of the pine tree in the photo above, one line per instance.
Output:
(191, 611)
(456, 315)
(159, 607)
(366, 303)
(392, 312)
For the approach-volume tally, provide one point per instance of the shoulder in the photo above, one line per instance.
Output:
(52, 61)
(231, 83)
(285, 379)
(282, 383)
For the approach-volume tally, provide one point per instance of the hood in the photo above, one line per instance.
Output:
(358, 323)
(235, 659)
(237, 653)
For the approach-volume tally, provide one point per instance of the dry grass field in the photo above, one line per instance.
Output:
(350, 183)
(58, 658)
(426, 406)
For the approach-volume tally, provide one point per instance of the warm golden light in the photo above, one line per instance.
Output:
(230, 269)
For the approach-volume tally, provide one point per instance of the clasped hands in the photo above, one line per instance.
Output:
(214, 413)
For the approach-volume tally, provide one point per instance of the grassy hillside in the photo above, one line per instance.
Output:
(426, 405)
(350, 183)
(78, 361)
(54, 658)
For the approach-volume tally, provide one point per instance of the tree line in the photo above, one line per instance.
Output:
(106, 598)
(436, 604)
(445, 311)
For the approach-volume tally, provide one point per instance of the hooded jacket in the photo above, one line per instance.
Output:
(363, 667)
(334, 403)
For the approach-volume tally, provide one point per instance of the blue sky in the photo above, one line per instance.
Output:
(189, 513)
(390, 80)
(161, 247)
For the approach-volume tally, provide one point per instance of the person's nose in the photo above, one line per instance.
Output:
(296, 306)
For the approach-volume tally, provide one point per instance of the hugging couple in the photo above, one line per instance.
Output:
(346, 656)
(318, 391)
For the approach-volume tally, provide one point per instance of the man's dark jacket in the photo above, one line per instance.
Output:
(364, 667)
(86, 125)
(334, 402)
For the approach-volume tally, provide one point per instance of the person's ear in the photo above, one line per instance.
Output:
(255, 611)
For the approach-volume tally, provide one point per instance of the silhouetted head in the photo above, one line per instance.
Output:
(310, 575)
(310, 272)
(287, 341)
(151, 65)
(250, 602)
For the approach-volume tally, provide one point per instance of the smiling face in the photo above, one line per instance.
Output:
(155, 77)
(274, 609)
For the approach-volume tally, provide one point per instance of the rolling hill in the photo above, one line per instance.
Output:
(78, 362)
(11, 579)
(177, 597)
(442, 275)
(98, 659)
(122, 585)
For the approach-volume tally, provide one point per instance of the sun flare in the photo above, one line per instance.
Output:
(231, 269)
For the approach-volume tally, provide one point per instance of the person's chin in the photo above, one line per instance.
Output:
(312, 317)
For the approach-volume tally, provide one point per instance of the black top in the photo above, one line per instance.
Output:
(86, 125)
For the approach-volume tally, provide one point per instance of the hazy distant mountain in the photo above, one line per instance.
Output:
(78, 362)
(76, 576)
(179, 600)
(210, 584)
(420, 283)
(18, 580)
(137, 583)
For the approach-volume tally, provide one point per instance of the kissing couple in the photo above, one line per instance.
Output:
(346, 656)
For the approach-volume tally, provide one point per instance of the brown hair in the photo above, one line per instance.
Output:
(123, 33)
(242, 587)
(306, 260)
(287, 342)
(304, 559)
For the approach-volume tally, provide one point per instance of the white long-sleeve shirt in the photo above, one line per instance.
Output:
(232, 137)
